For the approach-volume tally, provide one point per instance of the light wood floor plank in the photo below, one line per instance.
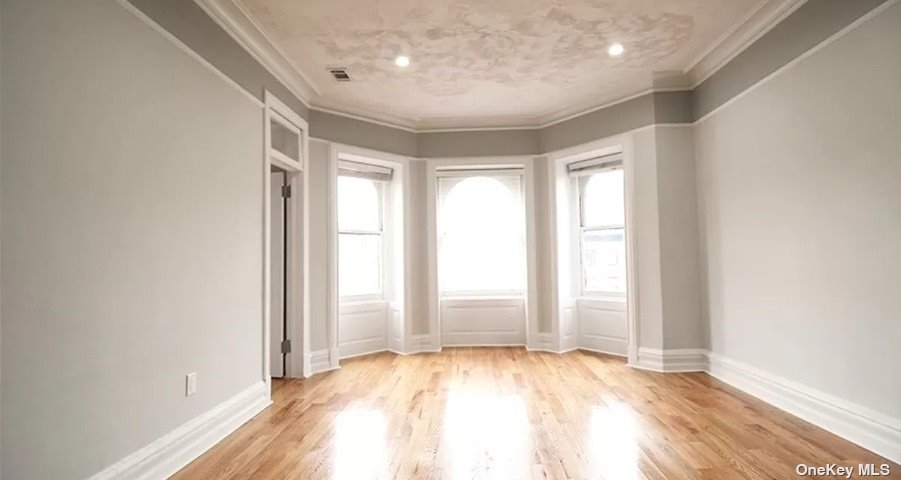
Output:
(505, 413)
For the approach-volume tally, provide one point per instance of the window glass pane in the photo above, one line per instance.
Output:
(359, 264)
(481, 235)
(603, 201)
(604, 260)
(359, 205)
(284, 140)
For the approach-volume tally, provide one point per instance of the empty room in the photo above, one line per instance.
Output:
(450, 239)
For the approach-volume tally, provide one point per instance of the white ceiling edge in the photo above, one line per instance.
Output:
(760, 20)
(239, 24)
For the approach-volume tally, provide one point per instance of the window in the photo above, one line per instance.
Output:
(360, 228)
(602, 232)
(481, 234)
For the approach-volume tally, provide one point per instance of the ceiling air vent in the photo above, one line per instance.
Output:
(340, 74)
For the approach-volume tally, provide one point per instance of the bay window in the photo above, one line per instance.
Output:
(481, 233)
(602, 228)
(361, 226)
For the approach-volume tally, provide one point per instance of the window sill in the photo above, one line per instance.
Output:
(604, 298)
(362, 300)
(483, 297)
(608, 303)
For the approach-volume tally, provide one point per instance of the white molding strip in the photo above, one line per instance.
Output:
(872, 430)
(240, 25)
(595, 350)
(542, 342)
(183, 47)
(671, 361)
(423, 343)
(759, 20)
(169, 453)
(800, 58)
(319, 361)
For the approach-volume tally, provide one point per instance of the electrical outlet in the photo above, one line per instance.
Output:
(190, 384)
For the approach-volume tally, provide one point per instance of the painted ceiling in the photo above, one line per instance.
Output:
(489, 61)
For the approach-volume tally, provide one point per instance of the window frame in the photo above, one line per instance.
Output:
(580, 180)
(381, 191)
(520, 195)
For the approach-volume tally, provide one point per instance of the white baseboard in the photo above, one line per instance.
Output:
(319, 362)
(595, 350)
(872, 430)
(364, 346)
(482, 339)
(370, 352)
(423, 343)
(671, 361)
(602, 344)
(542, 342)
(169, 453)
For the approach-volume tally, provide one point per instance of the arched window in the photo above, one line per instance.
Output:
(481, 244)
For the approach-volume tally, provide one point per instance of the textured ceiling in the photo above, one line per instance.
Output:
(485, 61)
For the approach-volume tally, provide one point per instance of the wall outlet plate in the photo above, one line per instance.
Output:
(190, 384)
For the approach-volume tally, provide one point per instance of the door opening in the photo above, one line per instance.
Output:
(278, 251)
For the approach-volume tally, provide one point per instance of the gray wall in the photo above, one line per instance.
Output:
(678, 228)
(807, 26)
(801, 220)
(815, 21)
(615, 119)
(478, 143)
(132, 252)
(189, 23)
(419, 253)
(350, 131)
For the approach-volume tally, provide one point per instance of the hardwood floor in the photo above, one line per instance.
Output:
(505, 413)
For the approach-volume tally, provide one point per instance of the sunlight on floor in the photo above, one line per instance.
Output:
(612, 444)
(486, 436)
(361, 451)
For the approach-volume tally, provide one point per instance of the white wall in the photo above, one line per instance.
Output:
(801, 220)
(483, 321)
(602, 326)
(132, 249)
(362, 328)
(642, 147)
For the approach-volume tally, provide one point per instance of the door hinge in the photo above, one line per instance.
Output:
(286, 346)
(286, 191)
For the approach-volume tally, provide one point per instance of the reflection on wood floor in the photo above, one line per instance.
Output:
(505, 413)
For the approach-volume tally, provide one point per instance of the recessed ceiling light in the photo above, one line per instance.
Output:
(402, 61)
(616, 49)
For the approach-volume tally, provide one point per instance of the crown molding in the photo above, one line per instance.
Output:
(365, 115)
(760, 20)
(239, 24)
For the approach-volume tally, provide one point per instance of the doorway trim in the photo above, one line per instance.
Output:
(297, 228)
